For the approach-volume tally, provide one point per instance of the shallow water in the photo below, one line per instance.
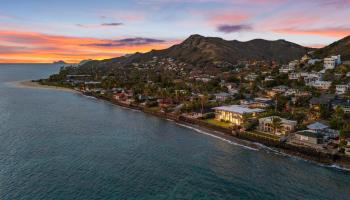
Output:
(62, 145)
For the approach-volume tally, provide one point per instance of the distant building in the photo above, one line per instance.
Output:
(287, 126)
(332, 62)
(235, 113)
(257, 102)
(321, 85)
(285, 69)
(251, 77)
(222, 96)
(313, 61)
(341, 89)
(324, 100)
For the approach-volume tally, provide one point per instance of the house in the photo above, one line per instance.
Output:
(291, 92)
(341, 89)
(251, 77)
(258, 102)
(310, 78)
(235, 113)
(269, 78)
(294, 76)
(231, 89)
(280, 89)
(323, 129)
(119, 96)
(331, 62)
(324, 100)
(287, 126)
(321, 85)
(285, 69)
(309, 137)
(343, 104)
(222, 96)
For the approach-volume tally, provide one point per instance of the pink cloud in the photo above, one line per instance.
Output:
(330, 31)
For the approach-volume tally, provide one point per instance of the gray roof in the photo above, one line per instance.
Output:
(317, 126)
(222, 94)
(309, 134)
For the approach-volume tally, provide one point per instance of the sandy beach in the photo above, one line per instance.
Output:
(31, 84)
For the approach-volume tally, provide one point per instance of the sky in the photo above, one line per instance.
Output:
(44, 31)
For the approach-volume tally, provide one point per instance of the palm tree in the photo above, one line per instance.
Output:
(204, 100)
(276, 124)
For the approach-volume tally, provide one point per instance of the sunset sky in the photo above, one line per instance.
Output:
(72, 30)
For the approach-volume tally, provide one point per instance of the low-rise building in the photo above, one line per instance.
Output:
(222, 96)
(286, 126)
(321, 85)
(341, 89)
(324, 100)
(309, 137)
(331, 62)
(323, 129)
(235, 113)
(285, 69)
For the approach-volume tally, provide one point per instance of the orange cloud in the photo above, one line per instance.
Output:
(20, 46)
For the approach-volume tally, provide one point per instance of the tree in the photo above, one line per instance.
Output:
(276, 124)
(337, 120)
(204, 100)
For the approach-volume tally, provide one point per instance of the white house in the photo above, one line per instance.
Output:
(294, 76)
(286, 69)
(321, 85)
(235, 113)
(341, 89)
(311, 77)
(331, 62)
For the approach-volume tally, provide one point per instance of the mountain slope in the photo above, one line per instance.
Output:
(341, 47)
(202, 51)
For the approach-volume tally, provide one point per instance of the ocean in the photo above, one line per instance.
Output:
(63, 145)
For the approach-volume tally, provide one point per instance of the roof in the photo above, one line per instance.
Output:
(286, 121)
(239, 109)
(323, 99)
(309, 134)
(223, 94)
(317, 126)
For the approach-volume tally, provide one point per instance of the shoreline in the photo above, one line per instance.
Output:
(216, 132)
(37, 85)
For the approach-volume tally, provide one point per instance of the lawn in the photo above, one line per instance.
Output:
(218, 123)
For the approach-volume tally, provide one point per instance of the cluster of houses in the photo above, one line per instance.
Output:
(316, 133)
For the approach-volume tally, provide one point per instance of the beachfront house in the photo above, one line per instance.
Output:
(323, 129)
(235, 114)
(308, 137)
(284, 127)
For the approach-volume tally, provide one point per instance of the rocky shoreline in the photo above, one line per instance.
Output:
(244, 140)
